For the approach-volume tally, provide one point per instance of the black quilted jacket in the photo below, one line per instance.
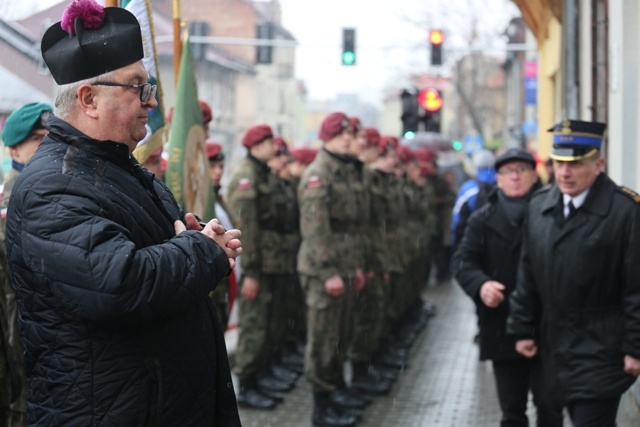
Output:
(116, 322)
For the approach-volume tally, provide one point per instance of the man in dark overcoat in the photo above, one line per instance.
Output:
(577, 301)
(486, 265)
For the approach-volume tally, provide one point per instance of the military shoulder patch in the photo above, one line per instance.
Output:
(630, 193)
(244, 184)
(314, 182)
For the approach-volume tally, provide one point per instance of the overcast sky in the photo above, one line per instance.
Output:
(391, 38)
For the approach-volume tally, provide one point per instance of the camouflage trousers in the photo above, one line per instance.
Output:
(296, 313)
(418, 270)
(368, 319)
(396, 297)
(261, 326)
(329, 330)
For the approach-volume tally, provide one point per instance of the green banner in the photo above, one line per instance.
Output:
(188, 167)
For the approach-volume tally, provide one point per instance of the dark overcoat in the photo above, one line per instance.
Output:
(578, 291)
(490, 250)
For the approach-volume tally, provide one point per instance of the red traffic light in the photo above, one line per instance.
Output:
(436, 37)
(430, 100)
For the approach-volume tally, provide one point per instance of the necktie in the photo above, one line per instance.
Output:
(572, 209)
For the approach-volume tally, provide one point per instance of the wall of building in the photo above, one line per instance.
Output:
(624, 91)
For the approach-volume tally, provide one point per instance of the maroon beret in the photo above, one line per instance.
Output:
(405, 154)
(333, 125)
(256, 134)
(281, 145)
(207, 114)
(304, 155)
(355, 123)
(214, 151)
(388, 143)
(425, 154)
(373, 137)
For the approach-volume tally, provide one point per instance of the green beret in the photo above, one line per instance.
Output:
(22, 122)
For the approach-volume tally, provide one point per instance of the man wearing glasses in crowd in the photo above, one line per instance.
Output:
(112, 277)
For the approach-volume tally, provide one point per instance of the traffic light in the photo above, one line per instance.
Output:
(436, 38)
(456, 145)
(431, 101)
(348, 46)
(410, 115)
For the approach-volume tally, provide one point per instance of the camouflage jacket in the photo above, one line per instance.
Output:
(420, 222)
(256, 200)
(388, 209)
(332, 207)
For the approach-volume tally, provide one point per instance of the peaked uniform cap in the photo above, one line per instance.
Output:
(90, 52)
(575, 139)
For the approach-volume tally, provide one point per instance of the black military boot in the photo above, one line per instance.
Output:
(345, 399)
(368, 383)
(283, 373)
(250, 396)
(268, 381)
(325, 414)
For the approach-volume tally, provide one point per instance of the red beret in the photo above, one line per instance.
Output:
(281, 145)
(214, 151)
(388, 143)
(256, 134)
(333, 125)
(373, 137)
(207, 115)
(355, 123)
(424, 154)
(405, 154)
(304, 155)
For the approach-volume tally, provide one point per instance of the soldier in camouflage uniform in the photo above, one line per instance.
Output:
(419, 226)
(22, 134)
(387, 209)
(330, 267)
(287, 296)
(368, 304)
(220, 295)
(251, 191)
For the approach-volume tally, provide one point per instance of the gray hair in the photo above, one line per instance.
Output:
(67, 94)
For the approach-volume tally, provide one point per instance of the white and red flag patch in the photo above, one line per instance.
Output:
(314, 182)
(244, 184)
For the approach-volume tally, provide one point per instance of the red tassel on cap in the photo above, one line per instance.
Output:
(90, 12)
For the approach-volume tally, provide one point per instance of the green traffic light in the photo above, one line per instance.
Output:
(457, 145)
(348, 58)
(409, 135)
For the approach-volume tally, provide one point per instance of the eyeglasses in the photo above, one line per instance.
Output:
(147, 90)
(517, 170)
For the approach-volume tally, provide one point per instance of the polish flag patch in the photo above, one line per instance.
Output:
(3, 213)
(314, 182)
(244, 184)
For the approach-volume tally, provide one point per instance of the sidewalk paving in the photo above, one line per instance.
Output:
(444, 385)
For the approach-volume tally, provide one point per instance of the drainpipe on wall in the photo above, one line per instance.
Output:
(570, 59)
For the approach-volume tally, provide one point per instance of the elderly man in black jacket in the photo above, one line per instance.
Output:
(486, 265)
(112, 288)
(577, 301)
